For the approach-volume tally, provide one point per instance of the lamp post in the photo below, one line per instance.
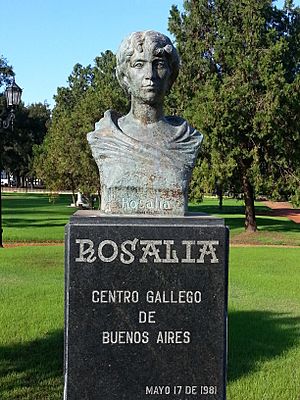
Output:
(13, 97)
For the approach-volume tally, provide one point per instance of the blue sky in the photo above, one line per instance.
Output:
(44, 39)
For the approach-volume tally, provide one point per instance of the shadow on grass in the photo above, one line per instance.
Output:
(40, 211)
(36, 223)
(226, 209)
(258, 336)
(37, 366)
(264, 223)
(24, 201)
(33, 370)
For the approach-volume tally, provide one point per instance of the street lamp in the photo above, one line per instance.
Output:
(13, 94)
(13, 97)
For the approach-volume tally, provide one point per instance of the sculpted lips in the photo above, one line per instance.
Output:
(149, 87)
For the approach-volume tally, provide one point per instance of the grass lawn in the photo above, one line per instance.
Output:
(271, 230)
(264, 324)
(32, 218)
(264, 311)
(31, 320)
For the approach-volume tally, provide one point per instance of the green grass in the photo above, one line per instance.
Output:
(31, 320)
(271, 230)
(264, 323)
(33, 218)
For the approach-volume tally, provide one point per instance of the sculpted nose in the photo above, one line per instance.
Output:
(149, 71)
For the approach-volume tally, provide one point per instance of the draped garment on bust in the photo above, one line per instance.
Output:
(148, 177)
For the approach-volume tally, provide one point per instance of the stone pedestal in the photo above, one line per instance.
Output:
(145, 308)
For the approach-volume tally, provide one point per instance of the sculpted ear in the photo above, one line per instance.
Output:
(125, 80)
(126, 83)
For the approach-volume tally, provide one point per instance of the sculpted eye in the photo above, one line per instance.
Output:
(138, 64)
(161, 64)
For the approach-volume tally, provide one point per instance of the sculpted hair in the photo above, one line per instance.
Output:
(135, 42)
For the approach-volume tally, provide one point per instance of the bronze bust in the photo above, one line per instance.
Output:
(145, 159)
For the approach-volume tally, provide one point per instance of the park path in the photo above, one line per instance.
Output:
(26, 244)
(284, 209)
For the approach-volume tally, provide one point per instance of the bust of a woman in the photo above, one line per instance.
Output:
(145, 159)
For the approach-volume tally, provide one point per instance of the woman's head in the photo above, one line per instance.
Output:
(160, 46)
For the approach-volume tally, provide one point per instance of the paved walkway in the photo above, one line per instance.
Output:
(284, 209)
(23, 244)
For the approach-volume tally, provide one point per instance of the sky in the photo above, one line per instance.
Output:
(44, 39)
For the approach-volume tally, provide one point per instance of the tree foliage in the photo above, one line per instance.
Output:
(240, 86)
(6, 75)
(6, 71)
(30, 126)
(64, 159)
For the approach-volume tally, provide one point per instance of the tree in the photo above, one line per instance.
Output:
(240, 85)
(6, 75)
(30, 127)
(64, 160)
(6, 71)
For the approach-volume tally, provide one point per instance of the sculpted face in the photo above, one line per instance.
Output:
(148, 76)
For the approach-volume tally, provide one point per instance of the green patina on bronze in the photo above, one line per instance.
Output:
(145, 159)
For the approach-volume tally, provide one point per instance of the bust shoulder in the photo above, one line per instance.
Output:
(109, 119)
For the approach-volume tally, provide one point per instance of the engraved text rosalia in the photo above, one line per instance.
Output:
(149, 204)
(146, 250)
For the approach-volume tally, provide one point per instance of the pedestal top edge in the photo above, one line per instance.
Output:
(83, 217)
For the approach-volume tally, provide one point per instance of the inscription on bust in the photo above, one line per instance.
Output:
(155, 204)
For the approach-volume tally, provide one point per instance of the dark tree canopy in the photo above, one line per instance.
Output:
(30, 127)
(6, 75)
(239, 85)
(6, 71)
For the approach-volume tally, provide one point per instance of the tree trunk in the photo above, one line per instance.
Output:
(220, 195)
(18, 180)
(250, 220)
(99, 199)
(73, 197)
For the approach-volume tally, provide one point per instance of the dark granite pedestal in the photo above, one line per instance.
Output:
(145, 308)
